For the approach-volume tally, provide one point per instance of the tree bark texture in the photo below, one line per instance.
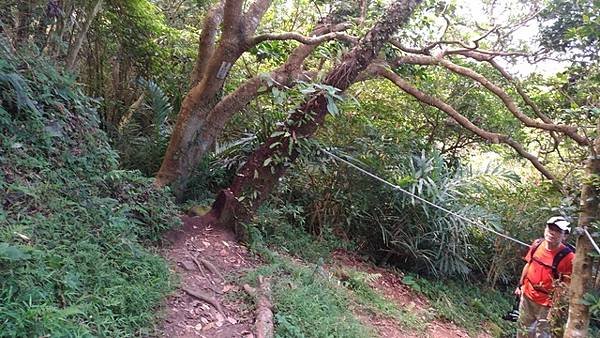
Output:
(194, 130)
(206, 42)
(76, 46)
(582, 281)
(258, 176)
(264, 312)
(203, 113)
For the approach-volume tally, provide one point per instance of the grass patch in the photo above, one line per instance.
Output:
(310, 303)
(305, 303)
(466, 305)
(282, 228)
(358, 282)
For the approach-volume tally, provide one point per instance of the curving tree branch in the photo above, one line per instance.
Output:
(477, 55)
(304, 39)
(282, 76)
(459, 118)
(509, 103)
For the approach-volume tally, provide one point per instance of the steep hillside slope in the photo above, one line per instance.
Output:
(71, 224)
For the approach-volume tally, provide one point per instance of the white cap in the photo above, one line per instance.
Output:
(560, 222)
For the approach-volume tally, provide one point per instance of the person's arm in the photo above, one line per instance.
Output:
(518, 290)
(565, 268)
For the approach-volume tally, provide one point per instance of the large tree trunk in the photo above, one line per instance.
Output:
(256, 179)
(204, 113)
(579, 314)
(193, 133)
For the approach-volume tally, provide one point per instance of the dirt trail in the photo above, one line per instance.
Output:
(188, 316)
(390, 285)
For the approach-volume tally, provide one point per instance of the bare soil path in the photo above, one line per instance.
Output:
(201, 255)
(390, 285)
(205, 304)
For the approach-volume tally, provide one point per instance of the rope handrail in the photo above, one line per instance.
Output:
(591, 240)
(426, 201)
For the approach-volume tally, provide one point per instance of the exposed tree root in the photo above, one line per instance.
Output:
(202, 270)
(211, 268)
(250, 290)
(205, 298)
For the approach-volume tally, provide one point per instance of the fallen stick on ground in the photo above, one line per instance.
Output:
(204, 297)
(264, 315)
(250, 290)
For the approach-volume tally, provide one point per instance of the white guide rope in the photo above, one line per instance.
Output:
(591, 240)
(427, 202)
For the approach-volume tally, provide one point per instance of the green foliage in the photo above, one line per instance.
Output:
(358, 282)
(592, 299)
(468, 306)
(306, 304)
(143, 138)
(133, 40)
(572, 27)
(305, 296)
(283, 228)
(72, 225)
(410, 233)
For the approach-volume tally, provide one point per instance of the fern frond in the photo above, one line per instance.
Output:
(159, 103)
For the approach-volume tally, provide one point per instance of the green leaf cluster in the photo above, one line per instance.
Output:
(76, 233)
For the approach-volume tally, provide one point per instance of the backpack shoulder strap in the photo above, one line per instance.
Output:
(534, 246)
(570, 247)
(558, 257)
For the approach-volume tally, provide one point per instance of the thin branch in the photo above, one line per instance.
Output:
(519, 24)
(459, 118)
(570, 131)
(476, 55)
(304, 39)
(132, 109)
(76, 46)
(406, 49)
(490, 53)
(465, 49)
(485, 35)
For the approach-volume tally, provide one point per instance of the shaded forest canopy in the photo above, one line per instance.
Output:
(105, 103)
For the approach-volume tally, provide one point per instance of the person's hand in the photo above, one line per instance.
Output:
(518, 291)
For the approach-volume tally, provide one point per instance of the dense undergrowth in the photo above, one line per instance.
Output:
(74, 230)
(309, 302)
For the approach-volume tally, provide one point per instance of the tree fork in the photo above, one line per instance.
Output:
(256, 179)
(192, 122)
(199, 123)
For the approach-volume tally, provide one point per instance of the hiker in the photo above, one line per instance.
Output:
(549, 264)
